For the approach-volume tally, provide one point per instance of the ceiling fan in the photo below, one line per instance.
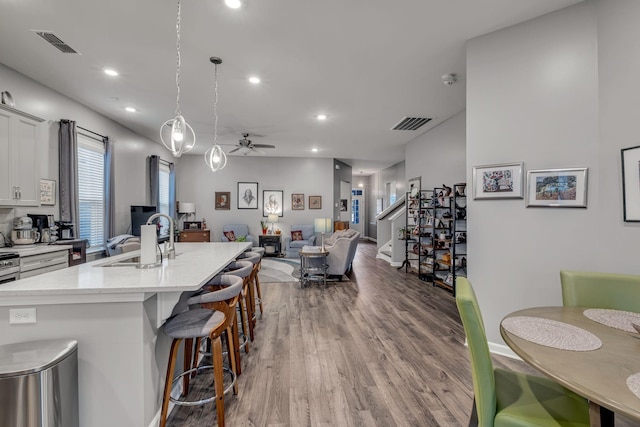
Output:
(245, 146)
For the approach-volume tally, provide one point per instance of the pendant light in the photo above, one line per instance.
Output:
(215, 158)
(176, 134)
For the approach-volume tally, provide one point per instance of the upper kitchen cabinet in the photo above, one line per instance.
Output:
(19, 158)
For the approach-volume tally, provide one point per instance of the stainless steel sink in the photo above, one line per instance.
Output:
(130, 262)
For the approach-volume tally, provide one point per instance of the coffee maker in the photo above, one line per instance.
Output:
(45, 225)
(65, 230)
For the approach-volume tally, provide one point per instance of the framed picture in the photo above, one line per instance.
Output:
(223, 200)
(247, 195)
(502, 181)
(297, 202)
(564, 188)
(415, 185)
(47, 192)
(631, 184)
(315, 202)
(272, 202)
(343, 205)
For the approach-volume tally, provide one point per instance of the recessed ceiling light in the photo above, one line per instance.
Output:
(315, 150)
(321, 117)
(131, 109)
(110, 72)
(233, 4)
(255, 80)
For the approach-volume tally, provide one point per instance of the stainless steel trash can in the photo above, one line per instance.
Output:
(39, 384)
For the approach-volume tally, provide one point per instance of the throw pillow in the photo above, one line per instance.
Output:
(230, 235)
(296, 235)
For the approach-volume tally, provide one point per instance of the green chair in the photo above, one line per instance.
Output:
(507, 398)
(600, 290)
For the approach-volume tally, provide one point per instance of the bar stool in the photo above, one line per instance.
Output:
(254, 258)
(216, 316)
(242, 270)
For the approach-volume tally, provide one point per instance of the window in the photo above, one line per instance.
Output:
(163, 197)
(355, 211)
(91, 189)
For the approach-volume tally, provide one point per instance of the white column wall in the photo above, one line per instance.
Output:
(532, 97)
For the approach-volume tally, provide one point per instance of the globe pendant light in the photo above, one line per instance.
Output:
(215, 158)
(176, 134)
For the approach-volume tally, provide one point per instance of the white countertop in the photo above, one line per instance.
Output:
(194, 265)
(37, 249)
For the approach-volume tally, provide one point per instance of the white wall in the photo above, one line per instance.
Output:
(376, 190)
(312, 177)
(131, 150)
(532, 97)
(439, 155)
(619, 63)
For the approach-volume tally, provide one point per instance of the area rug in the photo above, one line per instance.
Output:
(279, 271)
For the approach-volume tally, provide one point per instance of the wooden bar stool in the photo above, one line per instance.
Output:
(253, 258)
(216, 317)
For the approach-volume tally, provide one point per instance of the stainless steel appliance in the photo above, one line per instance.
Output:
(25, 237)
(9, 267)
(44, 224)
(22, 223)
(65, 230)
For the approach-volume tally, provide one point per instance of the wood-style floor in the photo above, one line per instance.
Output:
(383, 349)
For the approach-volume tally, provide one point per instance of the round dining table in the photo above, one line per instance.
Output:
(600, 375)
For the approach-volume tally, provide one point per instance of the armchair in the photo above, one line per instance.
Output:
(342, 247)
(292, 247)
(238, 231)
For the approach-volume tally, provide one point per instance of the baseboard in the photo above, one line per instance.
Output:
(503, 350)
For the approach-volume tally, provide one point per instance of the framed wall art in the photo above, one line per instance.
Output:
(631, 184)
(47, 192)
(223, 200)
(297, 202)
(564, 188)
(272, 202)
(247, 195)
(501, 181)
(315, 202)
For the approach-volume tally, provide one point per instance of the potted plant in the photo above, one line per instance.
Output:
(263, 224)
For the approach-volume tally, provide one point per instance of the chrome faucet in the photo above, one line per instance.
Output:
(170, 251)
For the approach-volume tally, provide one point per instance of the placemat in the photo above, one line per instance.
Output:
(633, 382)
(614, 318)
(552, 333)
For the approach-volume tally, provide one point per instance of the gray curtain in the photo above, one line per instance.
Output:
(68, 175)
(154, 181)
(172, 190)
(109, 187)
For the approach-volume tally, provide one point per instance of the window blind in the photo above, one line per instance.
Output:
(91, 190)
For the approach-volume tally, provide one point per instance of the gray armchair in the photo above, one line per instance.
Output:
(238, 230)
(292, 247)
(342, 247)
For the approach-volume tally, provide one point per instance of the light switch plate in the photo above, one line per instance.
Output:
(22, 315)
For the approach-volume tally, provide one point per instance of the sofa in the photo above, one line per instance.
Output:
(342, 247)
(239, 230)
(292, 247)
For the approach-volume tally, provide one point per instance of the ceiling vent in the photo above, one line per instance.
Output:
(54, 41)
(411, 123)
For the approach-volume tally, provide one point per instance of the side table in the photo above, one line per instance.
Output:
(271, 244)
(313, 271)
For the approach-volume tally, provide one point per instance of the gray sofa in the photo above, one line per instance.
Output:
(239, 230)
(292, 247)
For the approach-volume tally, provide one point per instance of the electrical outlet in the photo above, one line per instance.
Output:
(22, 315)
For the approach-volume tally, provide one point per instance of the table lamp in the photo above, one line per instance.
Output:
(273, 218)
(322, 225)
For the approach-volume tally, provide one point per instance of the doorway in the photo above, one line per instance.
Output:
(358, 210)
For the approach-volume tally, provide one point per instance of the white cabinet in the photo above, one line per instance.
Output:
(19, 158)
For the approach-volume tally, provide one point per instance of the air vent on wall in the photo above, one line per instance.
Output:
(411, 123)
(54, 41)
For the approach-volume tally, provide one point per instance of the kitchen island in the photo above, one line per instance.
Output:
(115, 311)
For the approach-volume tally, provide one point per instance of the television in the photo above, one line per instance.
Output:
(139, 216)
